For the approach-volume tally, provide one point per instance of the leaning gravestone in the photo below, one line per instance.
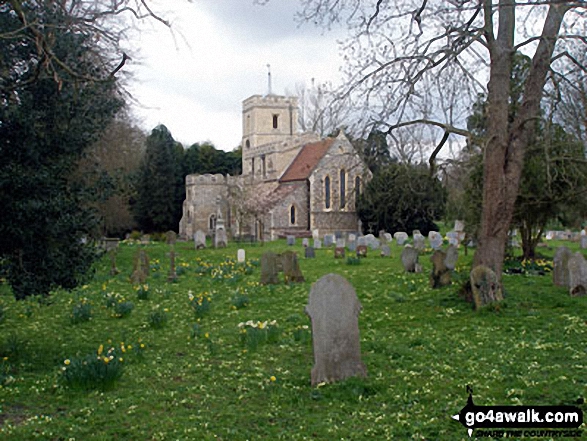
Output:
(400, 237)
(269, 269)
(291, 268)
(200, 240)
(577, 275)
(310, 253)
(410, 259)
(560, 273)
(385, 251)
(334, 310)
(452, 255)
(484, 286)
(291, 240)
(440, 275)
(240, 256)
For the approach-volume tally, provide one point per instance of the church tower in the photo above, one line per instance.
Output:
(270, 125)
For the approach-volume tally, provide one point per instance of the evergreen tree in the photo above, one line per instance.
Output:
(156, 207)
(46, 125)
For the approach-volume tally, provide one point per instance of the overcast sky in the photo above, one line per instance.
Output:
(194, 79)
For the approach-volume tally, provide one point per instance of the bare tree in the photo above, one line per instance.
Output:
(396, 45)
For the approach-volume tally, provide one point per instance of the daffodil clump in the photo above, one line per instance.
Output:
(158, 317)
(81, 312)
(202, 267)
(240, 299)
(142, 291)
(253, 333)
(301, 333)
(98, 370)
(534, 267)
(200, 302)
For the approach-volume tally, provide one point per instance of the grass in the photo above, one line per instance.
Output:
(189, 374)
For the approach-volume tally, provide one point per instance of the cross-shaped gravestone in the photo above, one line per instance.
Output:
(334, 310)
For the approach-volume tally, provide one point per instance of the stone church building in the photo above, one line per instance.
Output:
(291, 184)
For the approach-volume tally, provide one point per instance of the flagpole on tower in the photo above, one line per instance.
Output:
(268, 79)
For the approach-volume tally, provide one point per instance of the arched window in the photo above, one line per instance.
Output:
(327, 192)
(212, 222)
(292, 215)
(357, 189)
(248, 144)
(275, 121)
(342, 188)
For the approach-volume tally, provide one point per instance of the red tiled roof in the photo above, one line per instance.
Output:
(307, 159)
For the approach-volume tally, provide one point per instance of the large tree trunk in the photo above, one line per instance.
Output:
(506, 144)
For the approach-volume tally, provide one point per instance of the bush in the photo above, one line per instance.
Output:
(80, 313)
(123, 309)
(94, 371)
(157, 318)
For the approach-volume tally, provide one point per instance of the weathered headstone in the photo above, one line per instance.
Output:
(435, 239)
(414, 232)
(385, 251)
(334, 310)
(291, 240)
(172, 276)
(291, 268)
(315, 234)
(317, 244)
(361, 241)
(452, 255)
(328, 240)
(310, 253)
(340, 242)
(199, 240)
(583, 242)
(141, 267)
(459, 226)
(440, 275)
(361, 250)
(305, 242)
(339, 253)
(410, 259)
(352, 246)
(387, 237)
(419, 242)
(560, 272)
(577, 275)
(484, 286)
(370, 239)
(171, 237)
(400, 237)
(352, 237)
(269, 269)
(374, 244)
(111, 246)
(240, 256)
(220, 239)
(453, 238)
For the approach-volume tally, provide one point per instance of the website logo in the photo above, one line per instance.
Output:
(519, 417)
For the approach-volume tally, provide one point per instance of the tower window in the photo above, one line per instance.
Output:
(264, 167)
(342, 188)
(357, 189)
(327, 192)
(275, 121)
(292, 215)
(253, 166)
(248, 144)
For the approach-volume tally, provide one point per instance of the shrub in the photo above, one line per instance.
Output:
(123, 309)
(353, 261)
(81, 312)
(158, 318)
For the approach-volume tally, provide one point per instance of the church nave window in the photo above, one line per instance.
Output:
(292, 215)
(327, 192)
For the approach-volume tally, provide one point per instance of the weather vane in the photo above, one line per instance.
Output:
(268, 79)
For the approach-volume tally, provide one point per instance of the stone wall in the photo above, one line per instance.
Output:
(281, 214)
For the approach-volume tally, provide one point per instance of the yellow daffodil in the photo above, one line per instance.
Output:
(100, 349)
(67, 362)
(272, 378)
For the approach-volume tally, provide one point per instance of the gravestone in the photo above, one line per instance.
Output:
(440, 275)
(334, 310)
(145, 239)
(361, 250)
(385, 251)
(352, 245)
(310, 253)
(452, 255)
(453, 238)
(171, 237)
(269, 269)
(291, 268)
(200, 240)
(484, 286)
(111, 246)
(141, 267)
(305, 242)
(340, 243)
(317, 244)
(459, 226)
(369, 239)
(352, 237)
(339, 253)
(374, 244)
(291, 240)
(560, 271)
(387, 237)
(577, 275)
(172, 276)
(414, 232)
(435, 239)
(328, 240)
(240, 256)
(410, 259)
(316, 234)
(400, 237)
(419, 242)
(583, 242)
(220, 239)
(337, 235)
(361, 241)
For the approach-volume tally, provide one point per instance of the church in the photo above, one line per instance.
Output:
(291, 184)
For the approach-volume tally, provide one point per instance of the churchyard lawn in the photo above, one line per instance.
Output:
(215, 355)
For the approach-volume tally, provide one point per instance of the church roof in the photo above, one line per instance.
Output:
(306, 160)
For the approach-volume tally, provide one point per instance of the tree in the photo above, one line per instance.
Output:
(205, 158)
(399, 44)
(375, 151)
(402, 197)
(159, 183)
(46, 228)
